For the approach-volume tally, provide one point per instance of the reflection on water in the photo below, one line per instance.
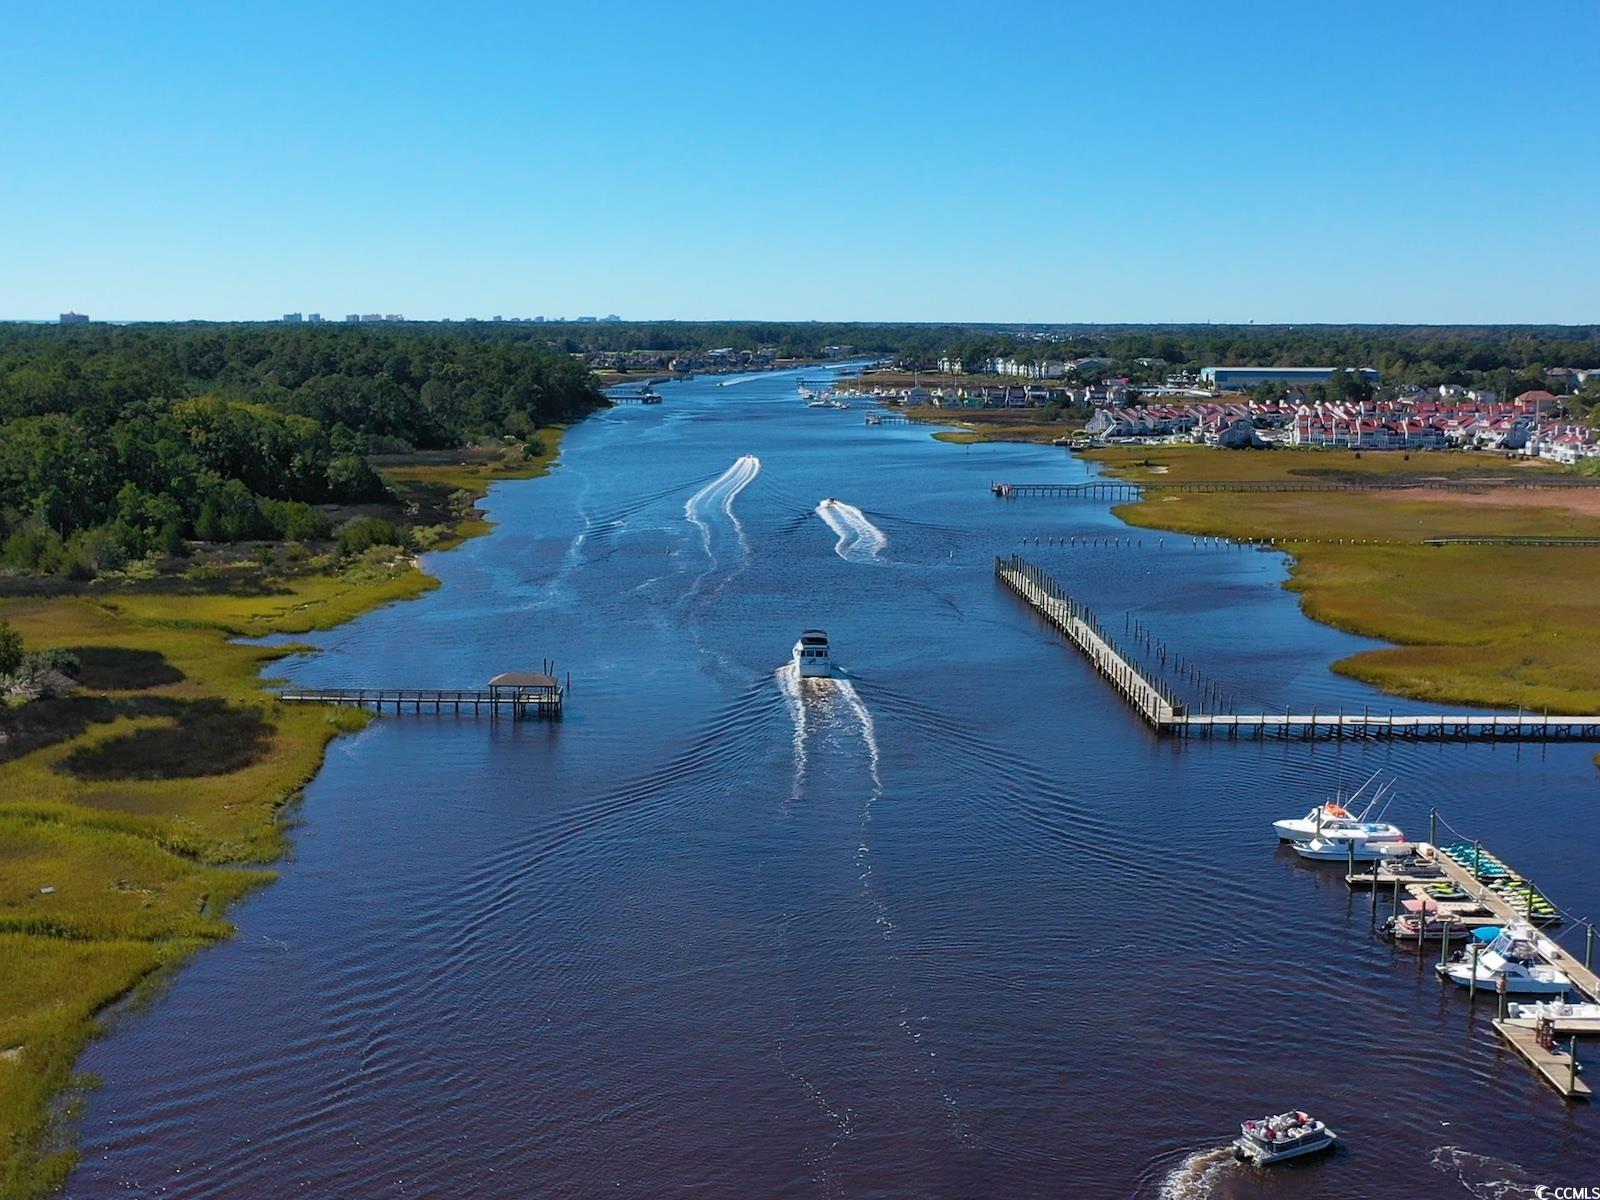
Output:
(950, 924)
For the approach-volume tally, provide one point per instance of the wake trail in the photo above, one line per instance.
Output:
(859, 539)
(723, 489)
(880, 908)
(788, 677)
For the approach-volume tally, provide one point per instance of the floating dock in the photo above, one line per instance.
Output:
(1167, 714)
(1559, 1066)
(515, 694)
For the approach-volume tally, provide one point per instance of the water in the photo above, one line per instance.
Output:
(954, 925)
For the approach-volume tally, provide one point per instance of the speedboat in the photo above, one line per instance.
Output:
(811, 659)
(1515, 958)
(1325, 849)
(1287, 1135)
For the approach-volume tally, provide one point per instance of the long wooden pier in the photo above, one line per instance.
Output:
(1165, 712)
(517, 695)
(1101, 488)
(1153, 701)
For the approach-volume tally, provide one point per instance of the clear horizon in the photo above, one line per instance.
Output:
(1155, 165)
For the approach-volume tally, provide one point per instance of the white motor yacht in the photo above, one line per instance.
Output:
(1334, 821)
(1515, 957)
(811, 659)
(1287, 1135)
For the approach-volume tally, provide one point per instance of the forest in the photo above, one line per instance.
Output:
(116, 441)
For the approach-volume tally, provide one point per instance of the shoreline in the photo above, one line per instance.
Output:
(154, 797)
(1517, 645)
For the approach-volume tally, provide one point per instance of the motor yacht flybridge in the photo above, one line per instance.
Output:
(811, 659)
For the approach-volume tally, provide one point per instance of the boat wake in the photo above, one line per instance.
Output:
(788, 677)
(1485, 1177)
(1196, 1177)
(869, 740)
(859, 539)
(721, 492)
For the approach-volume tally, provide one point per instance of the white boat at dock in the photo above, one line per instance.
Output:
(1515, 957)
(1333, 821)
(1287, 1135)
(1554, 1010)
(811, 655)
(1328, 849)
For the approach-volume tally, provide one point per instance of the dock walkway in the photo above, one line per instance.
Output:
(1158, 706)
(1100, 488)
(1165, 712)
(517, 695)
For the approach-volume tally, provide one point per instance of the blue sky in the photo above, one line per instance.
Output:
(1428, 162)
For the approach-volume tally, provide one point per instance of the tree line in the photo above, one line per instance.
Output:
(117, 441)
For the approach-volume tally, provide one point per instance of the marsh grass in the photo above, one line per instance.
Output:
(1497, 626)
(137, 800)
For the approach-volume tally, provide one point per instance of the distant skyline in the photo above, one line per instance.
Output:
(1018, 162)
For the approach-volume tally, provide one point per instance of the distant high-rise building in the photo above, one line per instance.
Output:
(291, 318)
(391, 317)
(74, 318)
(611, 317)
(314, 318)
(366, 317)
(352, 318)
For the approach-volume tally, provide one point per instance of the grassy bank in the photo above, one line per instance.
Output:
(1500, 626)
(133, 812)
(993, 424)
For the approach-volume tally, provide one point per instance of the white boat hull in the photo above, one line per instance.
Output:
(1302, 830)
(1345, 850)
(1516, 985)
(813, 668)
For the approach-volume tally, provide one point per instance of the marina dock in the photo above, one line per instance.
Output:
(1493, 894)
(1167, 714)
(516, 695)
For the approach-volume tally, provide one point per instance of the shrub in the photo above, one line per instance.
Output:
(11, 653)
(363, 533)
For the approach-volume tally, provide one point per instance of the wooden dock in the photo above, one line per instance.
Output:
(517, 695)
(1556, 1066)
(1164, 711)
(1096, 489)
(1583, 977)
(1158, 706)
